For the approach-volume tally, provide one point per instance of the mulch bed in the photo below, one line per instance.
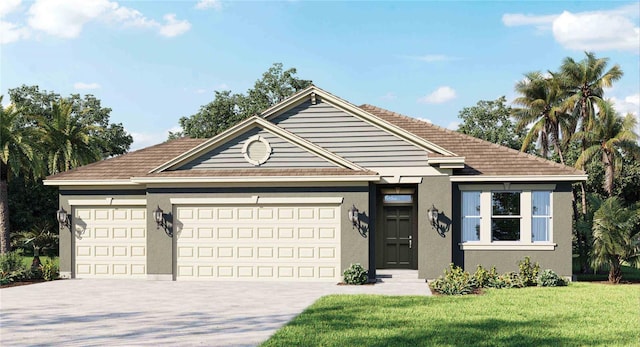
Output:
(23, 283)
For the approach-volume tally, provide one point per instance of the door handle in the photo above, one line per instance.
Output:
(410, 241)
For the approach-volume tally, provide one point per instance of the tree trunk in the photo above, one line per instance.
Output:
(5, 240)
(608, 172)
(615, 271)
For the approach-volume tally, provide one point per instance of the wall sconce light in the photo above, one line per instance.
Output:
(63, 218)
(158, 216)
(433, 214)
(354, 216)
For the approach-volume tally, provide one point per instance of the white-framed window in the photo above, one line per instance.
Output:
(470, 216)
(540, 216)
(506, 217)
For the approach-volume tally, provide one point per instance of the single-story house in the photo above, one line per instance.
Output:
(307, 188)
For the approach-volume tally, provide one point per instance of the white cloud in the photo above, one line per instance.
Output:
(432, 58)
(453, 125)
(8, 6)
(146, 139)
(174, 27)
(207, 4)
(82, 85)
(222, 86)
(390, 96)
(201, 91)
(10, 32)
(438, 96)
(67, 18)
(596, 30)
(630, 104)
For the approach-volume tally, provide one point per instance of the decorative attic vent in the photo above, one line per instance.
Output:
(256, 150)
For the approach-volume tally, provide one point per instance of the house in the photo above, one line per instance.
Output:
(307, 188)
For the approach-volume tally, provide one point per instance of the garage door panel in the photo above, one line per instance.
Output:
(260, 242)
(110, 241)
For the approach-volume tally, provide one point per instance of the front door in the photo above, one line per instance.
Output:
(399, 243)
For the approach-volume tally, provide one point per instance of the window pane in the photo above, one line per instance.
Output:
(506, 203)
(470, 204)
(505, 229)
(540, 229)
(541, 205)
(397, 199)
(471, 229)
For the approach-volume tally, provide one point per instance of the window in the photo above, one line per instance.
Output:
(505, 216)
(540, 216)
(470, 216)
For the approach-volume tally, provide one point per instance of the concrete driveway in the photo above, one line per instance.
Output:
(161, 313)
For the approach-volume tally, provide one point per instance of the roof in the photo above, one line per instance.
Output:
(481, 157)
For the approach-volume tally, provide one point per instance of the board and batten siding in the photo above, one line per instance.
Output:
(349, 137)
(284, 155)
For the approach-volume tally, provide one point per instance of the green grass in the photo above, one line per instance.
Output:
(582, 314)
(629, 274)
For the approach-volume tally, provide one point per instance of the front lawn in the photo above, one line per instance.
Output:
(581, 314)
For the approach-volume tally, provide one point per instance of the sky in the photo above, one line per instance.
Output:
(153, 62)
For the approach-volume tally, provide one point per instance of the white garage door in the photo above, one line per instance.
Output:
(259, 242)
(110, 242)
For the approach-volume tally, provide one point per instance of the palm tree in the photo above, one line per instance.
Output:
(611, 136)
(17, 157)
(41, 237)
(541, 100)
(614, 238)
(67, 140)
(585, 82)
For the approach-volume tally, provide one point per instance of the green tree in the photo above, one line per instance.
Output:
(541, 100)
(112, 139)
(17, 157)
(228, 109)
(491, 121)
(585, 81)
(66, 140)
(616, 238)
(610, 137)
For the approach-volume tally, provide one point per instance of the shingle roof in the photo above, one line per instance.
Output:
(481, 157)
(132, 164)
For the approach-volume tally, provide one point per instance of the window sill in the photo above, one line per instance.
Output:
(507, 246)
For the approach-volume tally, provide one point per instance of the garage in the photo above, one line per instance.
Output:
(267, 240)
(110, 242)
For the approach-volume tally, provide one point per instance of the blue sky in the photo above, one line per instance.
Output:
(154, 62)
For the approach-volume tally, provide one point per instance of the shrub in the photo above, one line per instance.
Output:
(11, 267)
(455, 282)
(508, 280)
(485, 278)
(49, 270)
(548, 278)
(355, 274)
(528, 272)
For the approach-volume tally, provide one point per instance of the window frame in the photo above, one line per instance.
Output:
(525, 242)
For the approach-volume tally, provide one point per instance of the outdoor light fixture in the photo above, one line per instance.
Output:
(354, 216)
(158, 216)
(63, 218)
(433, 215)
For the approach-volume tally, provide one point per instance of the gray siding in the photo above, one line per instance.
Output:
(284, 155)
(349, 137)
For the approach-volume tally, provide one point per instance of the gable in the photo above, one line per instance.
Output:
(230, 155)
(348, 136)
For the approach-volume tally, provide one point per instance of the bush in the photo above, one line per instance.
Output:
(49, 270)
(11, 267)
(528, 272)
(485, 278)
(548, 278)
(355, 274)
(455, 282)
(508, 280)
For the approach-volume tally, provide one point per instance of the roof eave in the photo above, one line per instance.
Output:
(520, 178)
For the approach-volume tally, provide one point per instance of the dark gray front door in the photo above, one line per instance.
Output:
(399, 243)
